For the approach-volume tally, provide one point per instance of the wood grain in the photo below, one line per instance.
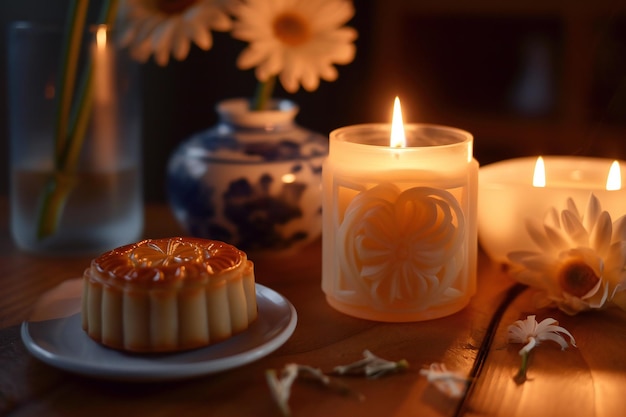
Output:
(583, 381)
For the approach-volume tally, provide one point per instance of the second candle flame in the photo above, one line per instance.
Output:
(539, 176)
(101, 37)
(614, 179)
(398, 137)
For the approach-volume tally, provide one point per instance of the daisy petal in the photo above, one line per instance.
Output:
(574, 228)
(571, 206)
(250, 57)
(556, 237)
(555, 338)
(170, 32)
(181, 44)
(552, 218)
(592, 213)
(600, 238)
(536, 232)
(619, 229)
(616, 257)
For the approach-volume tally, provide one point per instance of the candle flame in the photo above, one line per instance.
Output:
(614, 179)
(398, 137)
(288, 178)
(539, 176)
(101, 36)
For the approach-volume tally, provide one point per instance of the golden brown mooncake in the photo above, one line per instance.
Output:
(166, 295)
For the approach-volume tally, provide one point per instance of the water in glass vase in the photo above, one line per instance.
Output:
(103, 210)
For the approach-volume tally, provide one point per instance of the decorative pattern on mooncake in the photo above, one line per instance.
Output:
(165, 295)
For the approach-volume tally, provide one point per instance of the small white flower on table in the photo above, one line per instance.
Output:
(531, 334)
(452, 384)
(280, 385)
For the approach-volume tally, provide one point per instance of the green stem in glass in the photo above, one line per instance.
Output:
(72, 123)
(57, 189)
(76, 16)
(83, 105)
(263, 94)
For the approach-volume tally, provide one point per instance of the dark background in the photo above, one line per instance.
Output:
(525, 77)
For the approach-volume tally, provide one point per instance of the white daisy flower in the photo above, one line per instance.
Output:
(531, 333)
(581, 261)
(167, 27)
(298, 40)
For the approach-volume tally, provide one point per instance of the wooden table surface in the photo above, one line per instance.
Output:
(589, 380)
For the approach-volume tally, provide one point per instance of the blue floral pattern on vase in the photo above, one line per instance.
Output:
(257, 212)
(252, 182)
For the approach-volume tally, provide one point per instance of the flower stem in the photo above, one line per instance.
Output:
(55, 195)
(520, 377)
(76, 16)
(58, 186)
(83, 104)
(263, 94)
(72, 123)
(524, 352)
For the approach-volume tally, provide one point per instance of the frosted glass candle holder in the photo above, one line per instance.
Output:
(399, 224)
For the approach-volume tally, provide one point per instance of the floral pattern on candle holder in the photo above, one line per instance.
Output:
(403, 249)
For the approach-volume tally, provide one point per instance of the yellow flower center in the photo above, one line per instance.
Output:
(577, 278)
(291, 28)
(173, 6)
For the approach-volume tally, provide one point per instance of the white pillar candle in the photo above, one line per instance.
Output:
(507, 197)
(399, 223)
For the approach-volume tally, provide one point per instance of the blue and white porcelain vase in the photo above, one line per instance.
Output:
(253, 180)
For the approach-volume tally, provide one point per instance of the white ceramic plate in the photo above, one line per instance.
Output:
(62, 343)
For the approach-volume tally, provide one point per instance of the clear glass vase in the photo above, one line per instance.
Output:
(79, 199)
